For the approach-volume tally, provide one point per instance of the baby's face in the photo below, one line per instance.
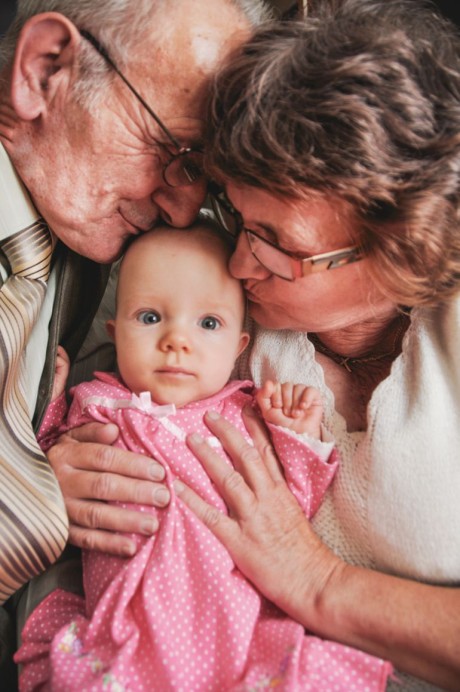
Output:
(178, 328)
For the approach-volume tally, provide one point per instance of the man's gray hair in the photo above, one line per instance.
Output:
(120, 25)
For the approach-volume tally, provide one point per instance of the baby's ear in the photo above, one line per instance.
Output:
(244, 341)
(110, 327)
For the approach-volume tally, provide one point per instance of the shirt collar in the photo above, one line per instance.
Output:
(16, 208)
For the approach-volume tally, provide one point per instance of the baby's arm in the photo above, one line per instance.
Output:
(308, 460)
(61, 373)
(294, 406)
(55, 414)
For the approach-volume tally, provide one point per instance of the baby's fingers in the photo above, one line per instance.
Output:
(269, 396)
(287, 393)
(308, 398)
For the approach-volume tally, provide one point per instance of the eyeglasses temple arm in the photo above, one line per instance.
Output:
(333, 260)
(103, 52)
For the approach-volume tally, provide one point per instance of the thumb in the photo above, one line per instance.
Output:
(102, 433)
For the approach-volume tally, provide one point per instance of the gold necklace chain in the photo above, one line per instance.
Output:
(348, 362)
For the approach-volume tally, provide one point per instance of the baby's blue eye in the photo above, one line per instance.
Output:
(148, 317)
(210, 322)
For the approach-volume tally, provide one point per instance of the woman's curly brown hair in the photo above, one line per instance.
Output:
(360, 101)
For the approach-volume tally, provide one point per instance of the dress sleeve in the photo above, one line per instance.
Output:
(52, 423)
(308, 473)
(60, 418)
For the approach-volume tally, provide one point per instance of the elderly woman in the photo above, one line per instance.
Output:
(337, 141)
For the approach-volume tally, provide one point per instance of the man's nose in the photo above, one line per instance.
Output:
(179, 206)
(243, 264)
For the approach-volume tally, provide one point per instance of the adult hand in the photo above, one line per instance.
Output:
(266, 532)
(273, 544)
(90, 472)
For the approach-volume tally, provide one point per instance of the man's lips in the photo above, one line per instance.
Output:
(133, 227)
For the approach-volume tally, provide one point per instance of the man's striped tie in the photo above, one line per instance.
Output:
(33, 520)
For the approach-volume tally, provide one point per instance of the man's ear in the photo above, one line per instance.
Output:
(45, 56)
(110, 327)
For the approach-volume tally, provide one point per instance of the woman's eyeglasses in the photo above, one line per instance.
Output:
(280, 262)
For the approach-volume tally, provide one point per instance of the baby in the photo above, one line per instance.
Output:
(179, 615)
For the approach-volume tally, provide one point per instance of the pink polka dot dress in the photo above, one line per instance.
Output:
(179, 615)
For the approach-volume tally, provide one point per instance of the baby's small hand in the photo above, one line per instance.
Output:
(293, 406)
(61, 372)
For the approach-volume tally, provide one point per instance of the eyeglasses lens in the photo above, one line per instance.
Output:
(273, 260)
(226, 215)
(184, 169)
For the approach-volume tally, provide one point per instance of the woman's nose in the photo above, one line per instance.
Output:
(243, 264)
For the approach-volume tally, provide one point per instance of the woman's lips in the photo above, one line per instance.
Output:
(251, 296)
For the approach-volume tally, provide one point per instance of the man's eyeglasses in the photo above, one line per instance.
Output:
(278, 261)
(185, 167)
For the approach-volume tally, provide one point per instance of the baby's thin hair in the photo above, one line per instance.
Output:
(205, 219)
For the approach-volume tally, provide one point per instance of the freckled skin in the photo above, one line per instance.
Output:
(97, 179)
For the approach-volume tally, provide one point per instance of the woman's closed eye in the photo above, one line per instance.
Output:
(210, 322)
(148, 317)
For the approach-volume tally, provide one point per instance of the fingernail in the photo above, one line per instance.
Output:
(162, 497)
(195, 437)
(157, 472)
(149, 526)
(179, 487)
(213, 415)
(129, 549)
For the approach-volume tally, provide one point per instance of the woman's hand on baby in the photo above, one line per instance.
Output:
(90, 473)
(266, 532)
(293, 406)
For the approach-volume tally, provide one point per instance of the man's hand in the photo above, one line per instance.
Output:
(91, 472)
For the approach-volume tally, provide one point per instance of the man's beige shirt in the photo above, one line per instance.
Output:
(17, 212)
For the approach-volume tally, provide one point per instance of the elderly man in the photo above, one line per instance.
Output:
(101, 118)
